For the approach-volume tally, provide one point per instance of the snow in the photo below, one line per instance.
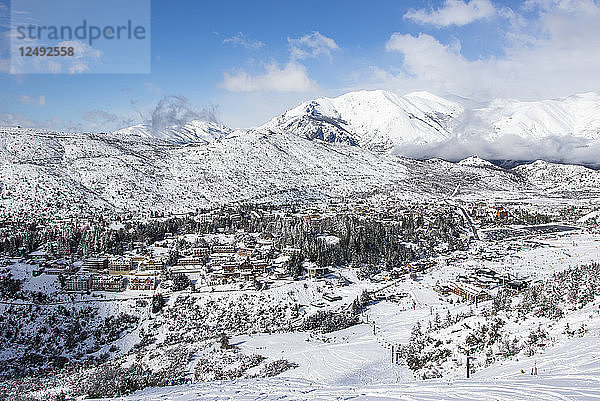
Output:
(375, 119)
(337, 148)
(195, 131)
(476, 162)
(560, 177)
(352, 356)
(355, 362)
(142, 176)
(383, 121)
(577, 115)
(324, 148)
(578, 378)
(589, 216)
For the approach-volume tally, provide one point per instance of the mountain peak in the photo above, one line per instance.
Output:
(475, 161)
(194, 131)
(376, 119)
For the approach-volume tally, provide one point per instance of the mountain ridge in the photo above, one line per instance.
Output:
(53, 174)
(422, 125)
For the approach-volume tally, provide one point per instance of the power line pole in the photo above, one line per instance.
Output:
(468, 365)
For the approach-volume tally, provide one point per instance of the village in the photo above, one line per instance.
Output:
(232, 256)
(321, 276)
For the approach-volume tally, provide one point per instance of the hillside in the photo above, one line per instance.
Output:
(325, 148)
(45, 172)
(73, 173)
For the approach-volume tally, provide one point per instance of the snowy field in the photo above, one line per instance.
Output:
(570, 371)
(526, 388)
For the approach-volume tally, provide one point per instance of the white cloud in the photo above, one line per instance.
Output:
(311, 45)
(291, 78)
(555, 54)
(37, 101)
(242, 40)
(454, 12)
(14, 119)
(100, 120)
(509, 147)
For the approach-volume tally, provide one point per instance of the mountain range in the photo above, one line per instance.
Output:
(325, 148)
(422, 125)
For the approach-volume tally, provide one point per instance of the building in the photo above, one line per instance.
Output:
(259, 265)
(120, 265)
(142, 284)
(230, 267)
(501, 213)
(223, 249)
(219, 257)
(469, 292)
(137, 261)
(77, 283)
(199, 252)
(95, 264)
(190, 261)
(38, 255)
(151, 264)
(517, 284)
(204, 217)
(442, 289)
(245, 252)
(314, 271)
(264, 242)
(106, 283)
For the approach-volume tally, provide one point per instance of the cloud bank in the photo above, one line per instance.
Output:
(509, 148)
(556, 54)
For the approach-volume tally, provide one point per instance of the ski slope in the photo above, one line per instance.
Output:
(581, 383)
(355, 363)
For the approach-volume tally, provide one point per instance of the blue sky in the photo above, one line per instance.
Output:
(253, 60)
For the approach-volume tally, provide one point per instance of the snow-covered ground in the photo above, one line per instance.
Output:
(569, 371)
(355, 363)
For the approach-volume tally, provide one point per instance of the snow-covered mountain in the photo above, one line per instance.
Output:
(192, 131)
(577, 115)
(46, 172)
(423, 125)
(41, 171)
(376, 120)
(475, 161)
(324, 148)
(560, 177)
